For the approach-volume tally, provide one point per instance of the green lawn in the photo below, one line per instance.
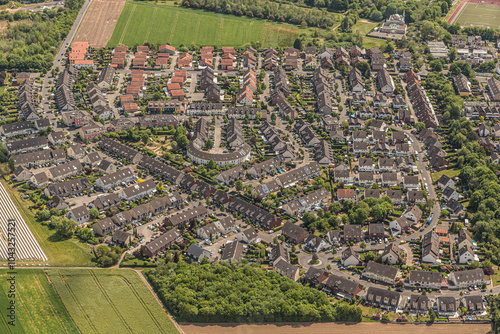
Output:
(109, 301)
(452, 172)
(60, 252)
(369, 42)
(142, 22)
(479, 15)
(496, 278)
(364, 27)
(38, 308)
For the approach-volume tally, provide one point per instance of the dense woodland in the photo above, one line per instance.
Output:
(31, 39)
(479, 183)
(242, 293)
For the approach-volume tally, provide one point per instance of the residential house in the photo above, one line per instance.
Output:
(430, 247)
(287, 270)
(390, 254)
(342, 287)
(381, 272)
(350, 258)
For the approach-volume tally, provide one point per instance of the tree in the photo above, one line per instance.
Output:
(239, 185)
(182, 141)
(43, 214)
(363, 245)
(364, 68)
(436, 65)
(419, 126)
(209, 144)
(335, 207)
(432, 315)
(297, 44)
(84, 234)
(65, 227)
(12, 164)
(94, 213)
(273, 117)
(452, 54)
(211, 164)
(389, 47)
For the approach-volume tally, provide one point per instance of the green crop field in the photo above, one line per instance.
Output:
(109, 301)
(478, 15)
(165, 23)
(38, 308)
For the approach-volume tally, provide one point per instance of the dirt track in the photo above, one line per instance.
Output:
(99, 22)
(364, 327)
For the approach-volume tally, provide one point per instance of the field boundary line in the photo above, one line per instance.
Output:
(172, 33)
(44, 293)
(4, 319)
(220, 30)
(142, 302)
(151, 26)
(126, 25)
(108, 299)
(77, 303)
(153, 292)
(195, 39)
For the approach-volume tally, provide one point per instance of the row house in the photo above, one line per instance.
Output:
(466, 278)
(381, 272)
(425, 279)
(68, 188)
(108, 181)
(342, 287)
(26, 145)
(186, 217)
(163, 242)
(65, 170)
(306, 203)
(158, 167)
(24, 128)
(40, 157)
(138, 190)
(105, 202)
(383, 298)
(119, 150)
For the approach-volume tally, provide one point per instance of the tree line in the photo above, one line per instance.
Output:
(266, 9)
(479, 183)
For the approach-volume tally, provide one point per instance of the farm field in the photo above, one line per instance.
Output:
(166, 23)
(109, 301)
(38, 308)
(479, 15)
(60, 252)
(99, 22)
(340, 328)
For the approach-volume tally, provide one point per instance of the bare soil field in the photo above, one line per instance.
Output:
(337, 328)
(99, 22)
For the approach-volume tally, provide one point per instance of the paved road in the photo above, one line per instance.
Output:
(58, 58)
